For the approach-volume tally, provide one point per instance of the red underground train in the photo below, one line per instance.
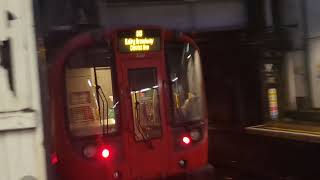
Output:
(129, 104)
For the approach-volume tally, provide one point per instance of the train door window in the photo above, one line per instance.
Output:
(145, 103)
(92, 102)
(185, 74)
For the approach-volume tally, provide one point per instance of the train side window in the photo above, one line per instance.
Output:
(187, 92)
(91, 98)
(145, 103)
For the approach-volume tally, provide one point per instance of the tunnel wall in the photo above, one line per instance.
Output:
(313, 45)
(313, 15)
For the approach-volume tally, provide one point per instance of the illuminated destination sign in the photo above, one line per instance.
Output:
(139, 41)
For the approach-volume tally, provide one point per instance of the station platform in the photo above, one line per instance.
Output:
(296, 130)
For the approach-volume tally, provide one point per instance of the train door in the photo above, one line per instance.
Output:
(146, 117)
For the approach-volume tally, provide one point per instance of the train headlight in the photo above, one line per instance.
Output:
(90, 151)
(116, 175)
(183, 163)
(195, 134)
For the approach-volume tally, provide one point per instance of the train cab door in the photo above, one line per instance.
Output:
(146, 117)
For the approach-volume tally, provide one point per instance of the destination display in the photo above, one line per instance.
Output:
(139, 41)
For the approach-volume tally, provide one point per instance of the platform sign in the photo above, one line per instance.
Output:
(139, 41)
(273, 103)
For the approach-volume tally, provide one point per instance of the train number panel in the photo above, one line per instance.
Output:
(129, 105)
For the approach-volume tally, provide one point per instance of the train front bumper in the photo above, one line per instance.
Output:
(205, 173)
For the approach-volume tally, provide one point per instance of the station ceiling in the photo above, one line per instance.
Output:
(184, 15)
(198, 16)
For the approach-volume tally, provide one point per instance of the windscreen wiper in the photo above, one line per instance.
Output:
(100, 97)
(140, 130)
(99, 91)
(106, 100)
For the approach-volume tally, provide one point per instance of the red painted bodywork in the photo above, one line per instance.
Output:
(134, 160)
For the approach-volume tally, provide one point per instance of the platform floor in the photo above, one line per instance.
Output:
(296, 130)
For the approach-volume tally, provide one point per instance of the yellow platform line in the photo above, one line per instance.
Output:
(291, 130)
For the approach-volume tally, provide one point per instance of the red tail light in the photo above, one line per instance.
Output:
(105, 153)
(186, 140)
(54, 158)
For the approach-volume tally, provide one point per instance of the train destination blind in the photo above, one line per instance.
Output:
(139, 41)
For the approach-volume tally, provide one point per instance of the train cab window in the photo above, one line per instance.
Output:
(185, 71)
(145, 103)
(92, 102)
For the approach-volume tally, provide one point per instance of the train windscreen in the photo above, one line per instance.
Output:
(185, 74)
(92, 103)
(145, 103)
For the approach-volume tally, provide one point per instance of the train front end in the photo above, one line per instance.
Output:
(129, 104)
